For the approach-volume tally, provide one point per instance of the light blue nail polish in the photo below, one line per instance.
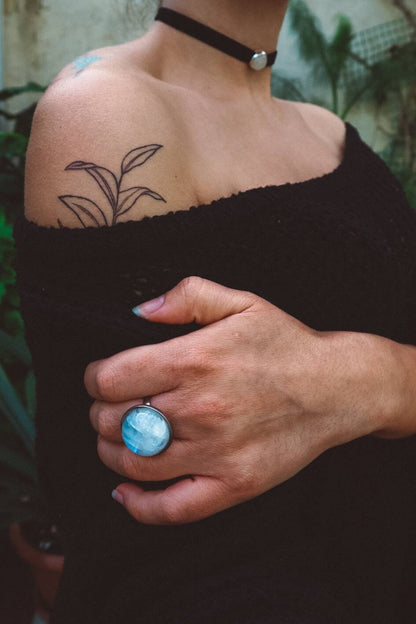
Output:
(117, 497)
(147, 307)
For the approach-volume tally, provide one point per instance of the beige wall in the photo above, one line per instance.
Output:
(40, 36)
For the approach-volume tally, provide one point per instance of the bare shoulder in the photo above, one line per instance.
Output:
(95, 136)
(326, 125)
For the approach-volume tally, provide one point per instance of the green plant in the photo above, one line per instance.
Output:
(13, 146)
(327, 59)
(10, 317)
(20, 494)
(386, 84)
(21, 497)
(393, 88)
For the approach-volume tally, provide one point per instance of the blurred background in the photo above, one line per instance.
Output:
(356, 58)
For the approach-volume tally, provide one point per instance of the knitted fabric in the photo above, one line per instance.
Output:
(336, 542)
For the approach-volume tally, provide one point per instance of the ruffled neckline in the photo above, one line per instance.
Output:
(240, 199)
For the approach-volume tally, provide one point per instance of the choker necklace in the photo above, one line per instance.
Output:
(256, 59)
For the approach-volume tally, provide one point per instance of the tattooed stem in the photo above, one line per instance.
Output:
(87, 211)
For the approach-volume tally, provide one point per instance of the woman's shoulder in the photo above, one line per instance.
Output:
(109, 75)
(96, 115)
(329, 128)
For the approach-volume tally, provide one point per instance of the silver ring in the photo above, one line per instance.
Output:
(146, 430)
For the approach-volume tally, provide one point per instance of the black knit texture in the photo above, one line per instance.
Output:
(333, 544)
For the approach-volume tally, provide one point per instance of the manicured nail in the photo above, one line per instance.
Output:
(149, 306)
(117, 497)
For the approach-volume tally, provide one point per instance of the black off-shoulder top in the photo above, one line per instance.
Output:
(333, 544)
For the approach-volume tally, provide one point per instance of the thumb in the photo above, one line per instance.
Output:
(196, 299)
(187, 500)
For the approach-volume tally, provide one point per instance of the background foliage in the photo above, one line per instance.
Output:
(19, 492)
(383, 78)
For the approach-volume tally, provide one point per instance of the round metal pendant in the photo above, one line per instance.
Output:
(145, 430)
(258, 60)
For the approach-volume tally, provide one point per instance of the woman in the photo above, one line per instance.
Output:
(278, 255)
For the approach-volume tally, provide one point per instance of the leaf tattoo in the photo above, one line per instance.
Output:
(84, 209)
(132, 195)
(120, 201)
(138, 156)
(106, 180)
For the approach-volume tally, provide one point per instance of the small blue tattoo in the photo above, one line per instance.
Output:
(84, 61)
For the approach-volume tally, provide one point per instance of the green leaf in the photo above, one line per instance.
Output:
(312, 45)
(13, 321)
(14, 347)
(340, 46)
(13, 409)
(10, 184)
(18, 463)
(12, 144)
(13, 298)
(30, 390)
(6, 115)
(6, 229)
(30, 87)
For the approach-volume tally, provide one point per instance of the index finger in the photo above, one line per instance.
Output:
(141, 371)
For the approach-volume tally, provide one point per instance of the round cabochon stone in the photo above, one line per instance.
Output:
(145, 430)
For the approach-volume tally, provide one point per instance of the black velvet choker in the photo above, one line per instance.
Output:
(256, 59)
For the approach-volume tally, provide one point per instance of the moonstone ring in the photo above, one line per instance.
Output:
(145, 430)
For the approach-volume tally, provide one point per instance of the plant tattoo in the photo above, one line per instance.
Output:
(121, 201)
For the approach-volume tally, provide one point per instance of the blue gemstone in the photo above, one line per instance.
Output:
(145, 430)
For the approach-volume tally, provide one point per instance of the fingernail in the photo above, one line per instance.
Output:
(117, 497)
(148, 306)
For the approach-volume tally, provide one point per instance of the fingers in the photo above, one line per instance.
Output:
(185, 501)
(197, 299)
(177, 460)
(153, 369)
(141, 371)
(106, 417)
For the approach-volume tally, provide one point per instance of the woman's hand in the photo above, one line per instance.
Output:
(253, 397)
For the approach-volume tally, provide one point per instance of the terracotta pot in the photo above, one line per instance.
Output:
(46, 570)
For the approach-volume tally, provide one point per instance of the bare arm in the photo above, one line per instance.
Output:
(103, 149)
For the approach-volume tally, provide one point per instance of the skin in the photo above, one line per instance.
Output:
(255, 395)
(252, 397)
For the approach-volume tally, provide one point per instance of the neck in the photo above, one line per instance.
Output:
(194, 64)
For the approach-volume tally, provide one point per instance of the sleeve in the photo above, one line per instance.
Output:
(77, 289)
